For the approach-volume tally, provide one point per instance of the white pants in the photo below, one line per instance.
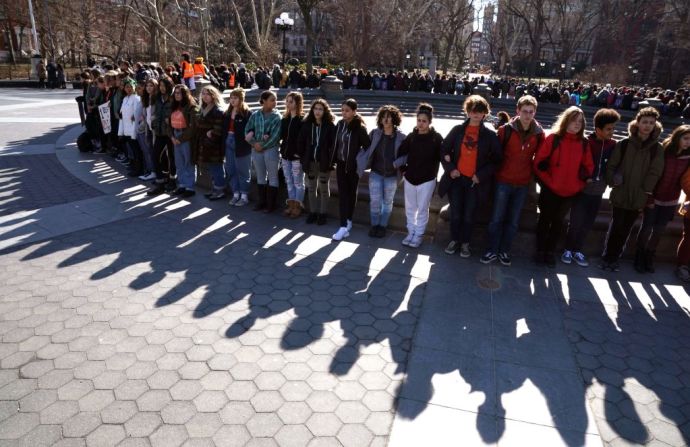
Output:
(417, 199)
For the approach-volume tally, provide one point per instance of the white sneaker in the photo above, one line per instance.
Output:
(408, 239)
(147, 177)
(234, 200)
(416, 241)
(349, 225)
(341, 234)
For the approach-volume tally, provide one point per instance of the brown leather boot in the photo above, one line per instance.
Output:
(296, 209)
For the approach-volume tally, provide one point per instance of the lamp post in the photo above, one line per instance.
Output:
(562, 72)
(635, 71)
(407, 59)
(284, 23)
(221, 44)
(542, 64)
(421, 61)
(508, 68)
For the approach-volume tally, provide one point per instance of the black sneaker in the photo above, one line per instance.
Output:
(156, 190)
(179, 191)
(322, 219)
(380, 231)
(188, 193)
(538, 258)
(488, 258)
(504, 258)
(312, 217)
(373, 231)
(550, 260)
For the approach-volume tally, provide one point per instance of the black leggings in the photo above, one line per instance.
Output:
(347, 192)
(163, 159)
(552, 211)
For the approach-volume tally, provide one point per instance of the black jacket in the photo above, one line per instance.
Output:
(242, 148)
(489, 156)
(289, 132)
(322, 154)
(356, 139)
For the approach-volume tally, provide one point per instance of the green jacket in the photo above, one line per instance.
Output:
(639, 168)
(262, 125)
(160, 117)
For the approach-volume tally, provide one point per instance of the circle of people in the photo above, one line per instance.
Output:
(161, 133)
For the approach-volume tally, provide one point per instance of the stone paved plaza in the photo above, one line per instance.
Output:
(135, 321)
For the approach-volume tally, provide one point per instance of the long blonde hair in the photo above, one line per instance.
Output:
(215, 94)
(560, 127)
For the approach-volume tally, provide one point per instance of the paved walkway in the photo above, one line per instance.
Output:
(129, 320)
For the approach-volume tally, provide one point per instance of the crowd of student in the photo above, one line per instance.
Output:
(160, 131)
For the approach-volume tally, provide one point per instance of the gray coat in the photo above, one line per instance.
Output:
(364, 157)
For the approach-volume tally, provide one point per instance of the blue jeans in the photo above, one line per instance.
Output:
(217, 176)
(237, 169)
(463, 197)
(505, 217)
(381, 194)
(266, 166)
(294, 179)
(186, 171)
(146, 145)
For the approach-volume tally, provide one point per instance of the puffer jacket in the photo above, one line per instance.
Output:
(568, 165)
(639, 168)
(364, 157)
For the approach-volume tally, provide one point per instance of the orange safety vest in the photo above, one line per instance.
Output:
(199, 70)
(187, 70)
(231, 81)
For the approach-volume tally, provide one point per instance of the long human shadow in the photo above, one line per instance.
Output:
(485, 342)
(629, 338)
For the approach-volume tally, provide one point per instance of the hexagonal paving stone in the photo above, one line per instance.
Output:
(18, 425)
(105, 436)
(380, 422)
(178, 412)
(323, 401)
(59, 412)
(294, 412)
(263, 425)
(203, 425)
(80, 425)
(43, 436)
(17, 389)
(109, 380)
(236, 413)
(153, 400)
(96, 400)
(296, 371)
(231, 436)
(210, 401)
(295, 391)
(293, 436)
(324, 424)
(74, 389)
(131, 389)
(163, 380)
(269, 380)
(216, 380)
(37, 401)
(193, 370)
(241, 391)
(266, 401)
(352, 412)
(142, 424)
(350, 391)
(354, 435)
(118, 412)
(378, 401)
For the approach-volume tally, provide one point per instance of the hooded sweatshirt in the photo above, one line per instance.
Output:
(601, 153)
(640, 168)
(518, 152)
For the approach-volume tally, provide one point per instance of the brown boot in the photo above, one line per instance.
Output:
(287, 212)
(296, 209)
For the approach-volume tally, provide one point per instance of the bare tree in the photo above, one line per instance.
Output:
(453, 17)
(570, 26)
(533, 15)
(255, 21)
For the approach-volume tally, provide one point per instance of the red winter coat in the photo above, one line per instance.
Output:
(563, 175)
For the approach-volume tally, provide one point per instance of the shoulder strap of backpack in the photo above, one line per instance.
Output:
(507, 132)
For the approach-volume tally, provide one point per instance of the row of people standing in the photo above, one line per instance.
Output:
(480, 166)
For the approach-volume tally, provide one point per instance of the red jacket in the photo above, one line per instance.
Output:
(516, 168)
(563, 175)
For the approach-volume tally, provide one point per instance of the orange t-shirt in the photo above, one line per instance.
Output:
(467, 162)
(177, 120)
